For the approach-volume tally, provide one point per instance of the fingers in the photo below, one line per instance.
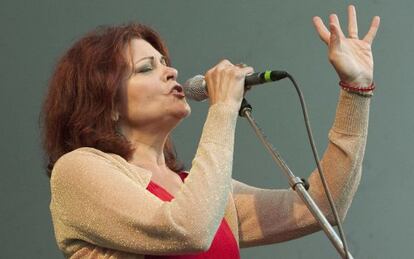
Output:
(334, 34)
(226, 67)
(335, 31)
(247, 70)
(320, 27)
(225, 82)
(352, 22)
(223, 63)
(369, 37)
(335, 27)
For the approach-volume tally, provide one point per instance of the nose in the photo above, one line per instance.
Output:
(171, 73)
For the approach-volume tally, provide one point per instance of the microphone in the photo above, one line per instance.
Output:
(195, 88)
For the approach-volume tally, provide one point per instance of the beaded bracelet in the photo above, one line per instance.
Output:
(362, 91)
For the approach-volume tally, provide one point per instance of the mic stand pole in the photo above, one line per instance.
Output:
(295, 183)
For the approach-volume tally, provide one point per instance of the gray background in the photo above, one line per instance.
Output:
(265, 34)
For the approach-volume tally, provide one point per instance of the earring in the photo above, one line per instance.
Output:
(115, 116)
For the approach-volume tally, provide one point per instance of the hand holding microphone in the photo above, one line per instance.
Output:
(225, 82)
(197, 87)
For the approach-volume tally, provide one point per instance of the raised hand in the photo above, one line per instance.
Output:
(350, 56)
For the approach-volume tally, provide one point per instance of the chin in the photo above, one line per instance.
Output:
(182, 112)
(185, 112)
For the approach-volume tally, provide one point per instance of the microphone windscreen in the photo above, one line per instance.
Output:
(195, 88)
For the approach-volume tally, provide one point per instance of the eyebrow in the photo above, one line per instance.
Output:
(150, 57)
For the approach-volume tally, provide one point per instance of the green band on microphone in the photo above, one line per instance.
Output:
(267, 75)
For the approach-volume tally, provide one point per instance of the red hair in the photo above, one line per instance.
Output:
(84, 90)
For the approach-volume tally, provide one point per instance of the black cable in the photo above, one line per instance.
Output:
(316, 157)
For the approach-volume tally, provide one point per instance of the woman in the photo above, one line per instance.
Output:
(118, 190)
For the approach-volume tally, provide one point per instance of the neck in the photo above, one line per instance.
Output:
(149, 147)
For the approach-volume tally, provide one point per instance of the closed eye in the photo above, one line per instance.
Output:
(151, 65)
(144, 68)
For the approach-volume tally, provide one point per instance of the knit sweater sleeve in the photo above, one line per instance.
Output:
(269, 215)
(94, 202)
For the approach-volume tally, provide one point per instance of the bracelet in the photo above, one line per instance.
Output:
(354, 88)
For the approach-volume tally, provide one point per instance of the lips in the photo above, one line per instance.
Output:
(178, 91)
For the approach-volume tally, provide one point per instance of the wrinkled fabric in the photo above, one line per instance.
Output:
(101, 207)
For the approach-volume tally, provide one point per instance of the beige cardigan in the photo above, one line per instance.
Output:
(101, 209)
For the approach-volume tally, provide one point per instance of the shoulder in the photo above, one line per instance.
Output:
(86, 152)
(82, 157)
(80, 161)
(86, 163)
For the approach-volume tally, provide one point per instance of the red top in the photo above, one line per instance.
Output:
(224, 245)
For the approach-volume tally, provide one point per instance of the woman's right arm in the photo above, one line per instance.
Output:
(94, 202)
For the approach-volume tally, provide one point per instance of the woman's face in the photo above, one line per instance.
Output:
(152, 97)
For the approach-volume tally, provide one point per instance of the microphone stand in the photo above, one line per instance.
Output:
(297, 184)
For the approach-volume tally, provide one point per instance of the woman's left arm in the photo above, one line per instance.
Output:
(268, 216)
